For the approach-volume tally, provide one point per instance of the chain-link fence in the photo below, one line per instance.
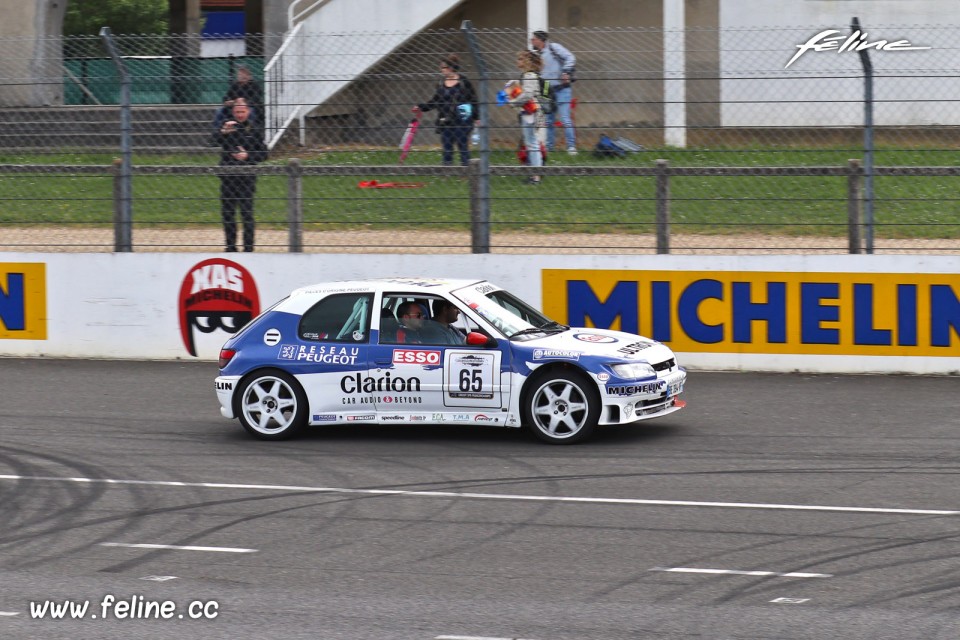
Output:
(757, 152)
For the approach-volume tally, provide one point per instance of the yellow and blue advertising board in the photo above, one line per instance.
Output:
(23, 301)
(765, 312)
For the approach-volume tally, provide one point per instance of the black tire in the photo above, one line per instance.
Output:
(271, 405)
(561, 408)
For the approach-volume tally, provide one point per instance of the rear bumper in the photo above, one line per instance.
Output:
(226, 385)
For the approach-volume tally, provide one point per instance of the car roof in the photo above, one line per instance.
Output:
(407, 284)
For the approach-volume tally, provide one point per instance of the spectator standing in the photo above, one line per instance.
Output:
(559, 66)
(244, 87)
(458, 111)
(241, 144)
(524, 95)
(247, 88)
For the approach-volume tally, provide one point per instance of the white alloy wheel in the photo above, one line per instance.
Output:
(272, 406)
(562, 409)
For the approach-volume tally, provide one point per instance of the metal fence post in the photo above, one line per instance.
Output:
(854, 204)
(117, 170)
(295, 204)
(123, 236)
(479, 223)
(663, 206)
(480, 192)
(867, 136)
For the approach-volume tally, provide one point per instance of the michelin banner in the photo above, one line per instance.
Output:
(766, 312)
(23, 301)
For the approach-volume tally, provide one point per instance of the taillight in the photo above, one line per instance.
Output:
(225, 356)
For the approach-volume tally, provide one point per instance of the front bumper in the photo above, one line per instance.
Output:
(624, 409)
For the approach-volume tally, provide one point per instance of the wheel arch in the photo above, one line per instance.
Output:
(259, 371)
(555, 367)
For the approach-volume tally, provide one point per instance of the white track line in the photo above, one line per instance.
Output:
(736, 572)
(471, 638)
(175, 547)
(6, 614)
(492, 496)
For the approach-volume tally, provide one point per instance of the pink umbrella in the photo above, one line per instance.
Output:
(407, 140)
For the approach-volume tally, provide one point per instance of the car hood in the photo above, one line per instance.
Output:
(615, 345)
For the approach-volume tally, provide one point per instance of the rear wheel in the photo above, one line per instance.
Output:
(561, 408)
(271, 405)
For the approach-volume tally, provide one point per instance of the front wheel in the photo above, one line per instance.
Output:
(271, 405)
(561, 409)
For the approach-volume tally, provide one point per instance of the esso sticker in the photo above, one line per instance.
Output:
(603, 377)
(415, 356)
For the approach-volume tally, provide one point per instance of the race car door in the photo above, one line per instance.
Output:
(473, 379)
(415, 381)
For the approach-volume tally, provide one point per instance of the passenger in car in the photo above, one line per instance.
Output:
(441, 329)
(411, 318)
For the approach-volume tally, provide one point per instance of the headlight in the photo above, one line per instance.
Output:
(634, 370)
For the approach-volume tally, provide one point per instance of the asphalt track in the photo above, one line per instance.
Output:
(774, 506)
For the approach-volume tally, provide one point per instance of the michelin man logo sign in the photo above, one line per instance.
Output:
(217, 297)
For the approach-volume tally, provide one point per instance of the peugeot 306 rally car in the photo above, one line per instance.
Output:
(341, 352)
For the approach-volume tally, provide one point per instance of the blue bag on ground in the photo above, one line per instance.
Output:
(607, 148)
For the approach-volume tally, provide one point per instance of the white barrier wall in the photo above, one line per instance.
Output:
(861, 314)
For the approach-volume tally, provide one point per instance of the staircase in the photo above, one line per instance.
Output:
(330, 43)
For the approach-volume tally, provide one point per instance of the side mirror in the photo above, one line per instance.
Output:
(477, 339)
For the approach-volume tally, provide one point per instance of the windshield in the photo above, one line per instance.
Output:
(507, 313)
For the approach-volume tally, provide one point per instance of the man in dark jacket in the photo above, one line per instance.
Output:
(241, 144)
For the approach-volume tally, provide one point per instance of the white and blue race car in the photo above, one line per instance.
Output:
(375, 351)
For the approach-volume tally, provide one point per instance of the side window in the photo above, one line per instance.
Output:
(397, 329)
(338, 318)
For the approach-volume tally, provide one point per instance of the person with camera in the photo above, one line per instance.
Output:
(241, 144)
(558, 67)
(458, 111)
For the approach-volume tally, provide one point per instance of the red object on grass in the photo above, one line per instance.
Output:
(374, 184)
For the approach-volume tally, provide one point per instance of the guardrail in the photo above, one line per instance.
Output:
(478, 188)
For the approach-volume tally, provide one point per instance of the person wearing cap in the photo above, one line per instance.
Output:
(458, 110)
(558, 67)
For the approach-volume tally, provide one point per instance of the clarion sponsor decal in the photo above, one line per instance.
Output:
(367, 384)
(415, 356)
